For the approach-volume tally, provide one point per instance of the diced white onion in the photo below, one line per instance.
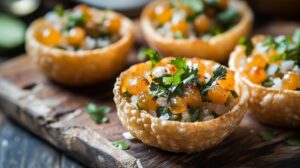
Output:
(127, 135)
(164, 117)
(287, 65)
(272, 69)
(162, 101)
(159, 71)
(209, 117)
(296, 69)
(90, 43)
(277, 83)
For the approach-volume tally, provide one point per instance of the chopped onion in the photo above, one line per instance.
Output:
(277, 83)
(159, 71)
(209, 117)
(287, 65)
(272, 69)
(162, 101)
(127, 135)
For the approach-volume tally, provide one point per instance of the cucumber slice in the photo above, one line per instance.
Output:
(12, 32)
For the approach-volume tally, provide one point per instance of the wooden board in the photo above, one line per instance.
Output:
(56, 114)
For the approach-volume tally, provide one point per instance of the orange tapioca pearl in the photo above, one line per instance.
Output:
(257, 75)
(50, 36)
(146, 102)
(162, 13)
(229, 82)
(137, 85)
(202, 23)
(180, 26)
(217, 94)
(113, 23)
(256, 61)
(82, 8)
(76, 36)
(192, 96)
(223, 4)
(178, 105)
(291, 81)
(201, 67)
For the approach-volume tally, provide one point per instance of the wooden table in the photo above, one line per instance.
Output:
(20, 148)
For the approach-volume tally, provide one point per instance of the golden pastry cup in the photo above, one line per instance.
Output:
(216, 48)
(175, 136)
(78, 68)
(278, 107)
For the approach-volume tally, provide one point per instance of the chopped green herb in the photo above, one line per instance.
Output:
(293, 142)
(75, 19)
(141, 55)
(216, 30)
(268, 83)
(127, 95)
(228, 16)
(195, 5)
(234, 93)
(121, 144)
(153, 55)
(161, 111)
(179, 35)
(218, 74)
(211, 2)
(296, 37)
(59, 10)
(194, 114)
(169, 86)
(267, 135)
(248, 44)
(97, 113)
(179, 62)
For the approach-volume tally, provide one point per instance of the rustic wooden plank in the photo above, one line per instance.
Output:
(66, 162)
(20, 149)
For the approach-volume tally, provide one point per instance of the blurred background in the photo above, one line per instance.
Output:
(16, 15)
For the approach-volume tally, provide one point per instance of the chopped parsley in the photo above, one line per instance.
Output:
(121, 144)
(267, 135)
(293, 142)
(97, 113)
(172, 85)
(153, 56)
(228, 17)
(59, 10)
(218, 74)
(194, 114)
(248, 44)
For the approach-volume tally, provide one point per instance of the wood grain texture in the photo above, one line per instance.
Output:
(56, 114)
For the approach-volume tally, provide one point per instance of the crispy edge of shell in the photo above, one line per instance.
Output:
(217, 48)
(277, 107)
(79, 68)
(176, 136)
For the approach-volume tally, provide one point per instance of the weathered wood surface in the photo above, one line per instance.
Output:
(20, 148)
(56, 114)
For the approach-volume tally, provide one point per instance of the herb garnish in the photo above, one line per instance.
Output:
(97, 113)
(172, 85)
(293, 142)
(248, 44)
(59, 10)
(218, 74)
(121, 144)
(267, 135)
(153, 55)
(194, 114)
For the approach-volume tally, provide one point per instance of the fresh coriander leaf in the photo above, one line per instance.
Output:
(218, 74)
(248, 44)
(141, 54)
(167, 80)
(211, 2)
(268, 83)
(196, 6)
(234, 93)
(121, 144)
(127, 95)
(179, 35)
(97, 113)
(216, 30)
(278, 57)
(179, 62)
(228, 16)
(296, 37)
(59, 10)
(194, 114)
(267, 135)
(75, 19)
(161, 111)
(293, 142)
(153, 55)
(174, 117)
